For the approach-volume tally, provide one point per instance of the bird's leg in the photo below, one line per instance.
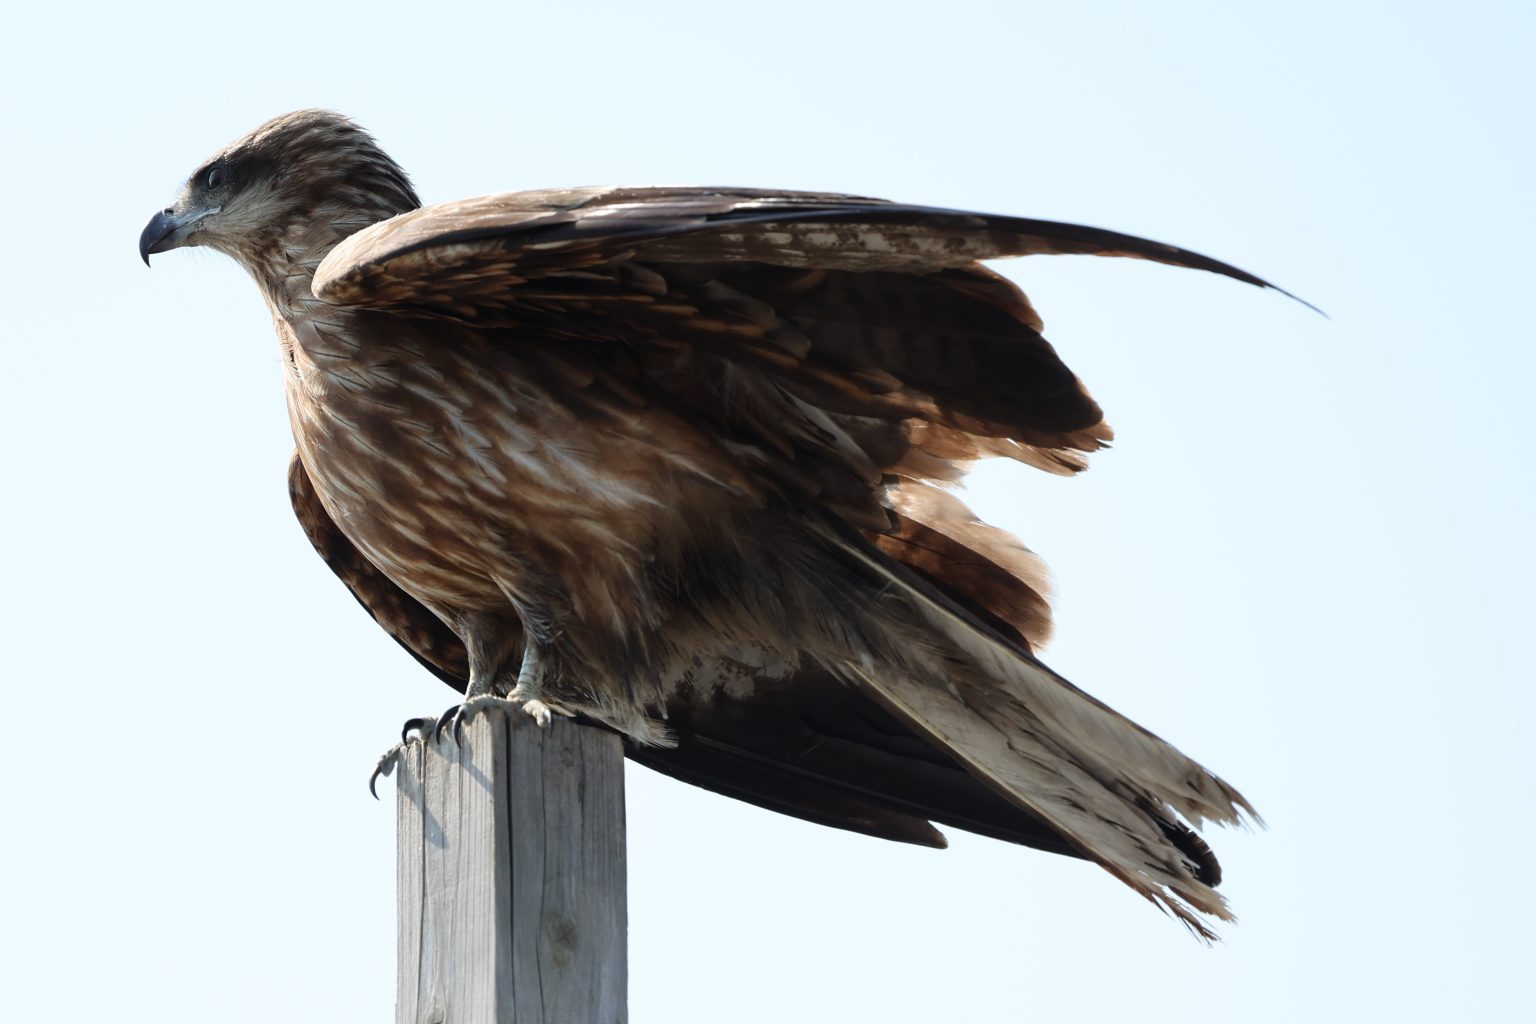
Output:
(529, 691)
(490, 641)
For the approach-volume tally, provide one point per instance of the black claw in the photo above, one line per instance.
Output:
(449, 716)
(411, 724)
(373, 780)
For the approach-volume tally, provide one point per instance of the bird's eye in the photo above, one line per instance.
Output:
(215, 176)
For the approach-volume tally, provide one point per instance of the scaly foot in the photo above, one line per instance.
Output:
(462, 714)
(528, 694)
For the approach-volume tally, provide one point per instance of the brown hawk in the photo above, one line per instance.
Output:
(670, 459)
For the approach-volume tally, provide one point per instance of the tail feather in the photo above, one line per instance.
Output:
(1114, 789)
(1001, 745)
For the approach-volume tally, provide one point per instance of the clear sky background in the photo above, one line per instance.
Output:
(1307, 561)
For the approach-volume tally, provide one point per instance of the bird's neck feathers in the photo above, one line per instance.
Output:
(283, 260)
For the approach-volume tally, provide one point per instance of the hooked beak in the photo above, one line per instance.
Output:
(169, 229)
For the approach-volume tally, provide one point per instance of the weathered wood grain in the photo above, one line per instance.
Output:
(511, 876)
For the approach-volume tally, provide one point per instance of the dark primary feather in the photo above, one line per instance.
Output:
(683, 447)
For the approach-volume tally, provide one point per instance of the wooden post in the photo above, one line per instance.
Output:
(511, 876)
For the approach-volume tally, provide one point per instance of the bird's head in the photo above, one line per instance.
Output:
(296, 185)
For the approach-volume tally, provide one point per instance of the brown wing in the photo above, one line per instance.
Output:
(541, 229)
(858, 312)
(805, 745)
(877, 348)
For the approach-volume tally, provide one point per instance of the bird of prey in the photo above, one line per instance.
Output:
(671, 460)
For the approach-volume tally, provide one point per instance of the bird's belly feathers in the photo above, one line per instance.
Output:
(472, 484)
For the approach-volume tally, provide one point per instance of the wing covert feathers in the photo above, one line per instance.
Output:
(980, 567)
(811, 329)
(525, 232)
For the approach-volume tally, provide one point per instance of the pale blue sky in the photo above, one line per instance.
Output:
(1307, 560)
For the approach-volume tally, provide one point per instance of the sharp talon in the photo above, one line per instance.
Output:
(427, 730)
(448, 717)
(385, 767)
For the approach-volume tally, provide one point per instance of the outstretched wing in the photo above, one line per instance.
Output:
(863, 311)
(671, 224)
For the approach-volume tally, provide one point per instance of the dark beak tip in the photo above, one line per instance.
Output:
(160, 227)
